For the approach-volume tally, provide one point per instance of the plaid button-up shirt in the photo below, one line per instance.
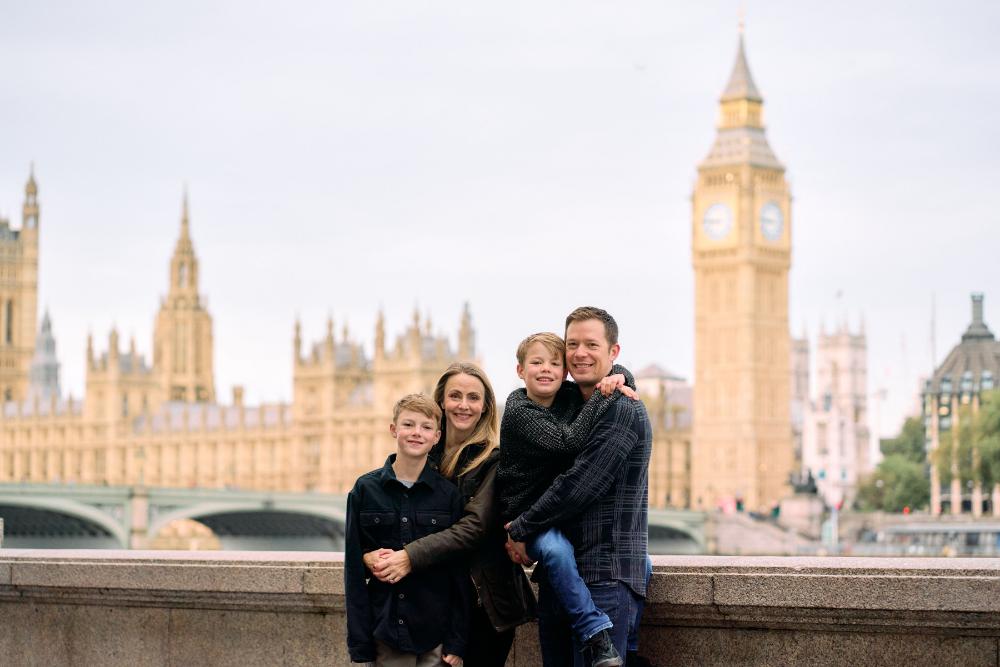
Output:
(602, 502)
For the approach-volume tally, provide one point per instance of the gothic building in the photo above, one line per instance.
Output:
(835, 438)
(160, 422)
(741, 252)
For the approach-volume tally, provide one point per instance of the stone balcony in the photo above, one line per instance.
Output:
(264, 608)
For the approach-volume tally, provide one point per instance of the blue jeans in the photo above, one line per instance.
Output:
(633, 635)
(554, 553)
(559, 647)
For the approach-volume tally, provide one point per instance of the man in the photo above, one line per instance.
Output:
(600, 503)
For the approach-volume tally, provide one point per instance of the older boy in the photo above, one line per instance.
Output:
(422, 620)
(545, 425)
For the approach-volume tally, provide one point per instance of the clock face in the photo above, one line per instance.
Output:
(772, 221)
(718, 221)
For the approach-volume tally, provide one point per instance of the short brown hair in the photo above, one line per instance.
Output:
(551, 341)
(421, 403)
(592, 313)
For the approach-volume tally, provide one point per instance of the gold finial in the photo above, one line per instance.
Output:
(742, 19)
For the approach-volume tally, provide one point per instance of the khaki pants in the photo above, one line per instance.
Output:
(387, 656)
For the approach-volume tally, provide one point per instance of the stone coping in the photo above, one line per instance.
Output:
(938, 594)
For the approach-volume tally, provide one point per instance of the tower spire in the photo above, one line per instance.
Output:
(741, 85)
(185, 215)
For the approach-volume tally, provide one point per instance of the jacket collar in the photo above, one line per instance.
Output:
(388, 475)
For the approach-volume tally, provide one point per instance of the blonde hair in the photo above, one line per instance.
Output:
(552, 342)
(420, 403)
(487, 430)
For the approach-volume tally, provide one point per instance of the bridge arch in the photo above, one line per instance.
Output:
(675, 537)
(73, 509)
(200, 511)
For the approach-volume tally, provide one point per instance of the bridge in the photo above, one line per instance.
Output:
(130, 517)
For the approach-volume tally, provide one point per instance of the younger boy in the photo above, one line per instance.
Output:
(545, 425)
(423, 619)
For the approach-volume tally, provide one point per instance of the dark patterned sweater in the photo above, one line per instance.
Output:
(537, 443)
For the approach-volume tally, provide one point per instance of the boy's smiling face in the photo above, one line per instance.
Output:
(543, 373)
(415, 434)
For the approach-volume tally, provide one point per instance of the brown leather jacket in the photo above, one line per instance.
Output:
(477, 540)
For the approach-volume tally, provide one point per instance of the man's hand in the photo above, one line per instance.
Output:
(373, 557)
(608, 385)
(392, 567)
(452, 660)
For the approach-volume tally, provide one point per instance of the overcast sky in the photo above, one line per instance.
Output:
(526, 157)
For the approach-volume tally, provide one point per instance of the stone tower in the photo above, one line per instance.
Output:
(44, 373)
(18, 296)
(741, 252)
(182, 339)
(835, 440)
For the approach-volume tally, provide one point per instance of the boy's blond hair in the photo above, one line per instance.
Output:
(421, 403)
(551, 341)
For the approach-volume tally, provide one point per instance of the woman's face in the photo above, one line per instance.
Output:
(464, 401)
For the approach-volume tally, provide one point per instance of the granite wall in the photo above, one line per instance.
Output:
(255, 608)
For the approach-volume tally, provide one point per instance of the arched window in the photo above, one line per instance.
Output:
(183, 275)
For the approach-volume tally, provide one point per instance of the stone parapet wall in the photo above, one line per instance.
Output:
(266, 608)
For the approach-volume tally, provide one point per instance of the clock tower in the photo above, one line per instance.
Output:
(741, 253)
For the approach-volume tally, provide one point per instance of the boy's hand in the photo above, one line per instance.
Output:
(393, 566)
(517, 552)
(452, 660)
(373, 557)
(608, 385)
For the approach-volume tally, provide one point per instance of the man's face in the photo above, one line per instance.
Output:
(589, 356)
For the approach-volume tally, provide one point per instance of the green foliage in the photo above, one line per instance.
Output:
(896, 483)
(988, 437)
(909, 443)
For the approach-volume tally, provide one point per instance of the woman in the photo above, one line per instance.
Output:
(467, 454)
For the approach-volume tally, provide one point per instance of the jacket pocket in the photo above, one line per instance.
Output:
(431, 522)
(372, 519)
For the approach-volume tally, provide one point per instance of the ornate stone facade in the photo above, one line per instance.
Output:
(835, 437)
(161, 424)
(741, 252)
(18, 296)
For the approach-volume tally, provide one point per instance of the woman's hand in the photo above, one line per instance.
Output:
(452, 660)
(392, 567)
(608, 385)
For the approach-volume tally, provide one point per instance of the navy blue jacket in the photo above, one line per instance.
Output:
(428, 607)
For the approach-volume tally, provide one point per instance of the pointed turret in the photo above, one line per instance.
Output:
(741, 85)
(380, 335)
(740, 138)
(298, 340)
(44, 373)
(466, 337)
(29, 215)
(184, 263)
(182, 338)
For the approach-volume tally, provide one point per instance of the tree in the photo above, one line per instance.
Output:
(988, 437)
(909, 443)
(900, 480)
(896, 483)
